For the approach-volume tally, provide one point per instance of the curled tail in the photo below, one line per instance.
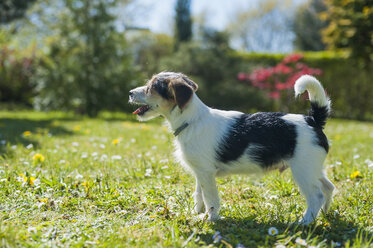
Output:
(320, 103)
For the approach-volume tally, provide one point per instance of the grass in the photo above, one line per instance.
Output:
(112, 182)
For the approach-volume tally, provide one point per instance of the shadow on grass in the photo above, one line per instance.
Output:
(12, 131)
(250, 233)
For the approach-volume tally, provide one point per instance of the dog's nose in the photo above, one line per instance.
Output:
(131, 93)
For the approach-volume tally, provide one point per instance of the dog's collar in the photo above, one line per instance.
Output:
(180, 129)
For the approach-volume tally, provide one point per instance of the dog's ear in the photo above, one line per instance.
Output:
(182, 92)
(190, 82)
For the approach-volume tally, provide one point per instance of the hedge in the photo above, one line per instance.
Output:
(348, 83)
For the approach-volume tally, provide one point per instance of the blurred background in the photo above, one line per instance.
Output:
(83, 56)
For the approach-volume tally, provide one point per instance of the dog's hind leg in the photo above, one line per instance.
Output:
(327, 188)
(307, 172)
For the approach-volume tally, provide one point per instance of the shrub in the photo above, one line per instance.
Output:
(87, 67)
(16, 69)
(278, 81)
(348, 84)
(214, 69)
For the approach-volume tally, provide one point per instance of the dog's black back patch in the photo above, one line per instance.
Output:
(272, 139)
(321, 138)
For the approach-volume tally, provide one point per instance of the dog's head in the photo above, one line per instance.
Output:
(162, 94)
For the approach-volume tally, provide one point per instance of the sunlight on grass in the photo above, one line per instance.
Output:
(112, 181)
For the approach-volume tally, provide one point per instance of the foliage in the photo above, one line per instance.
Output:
(16, 69)
(265, 28)
(89, 191)
(207, 64)
(278, 81)
(13, 9)
(351, 27)
(183, 21)
(148, 48)
(307, 26)
(87, 67)
(351, 90)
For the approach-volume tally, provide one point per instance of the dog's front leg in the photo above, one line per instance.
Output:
(199, 206)
(210, 195)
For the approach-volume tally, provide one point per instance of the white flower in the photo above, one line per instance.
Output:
(117, 209)
(103, 157)
(94, 154)
(338, 163)
(62, 161)
(133, 140)
(37, 182)
(167, 177)
(14, 147)
(78, 176)
(30, 146)
(369, 163)
(148, 172)
(40, 204)
(301, 241)
(102, 146)
(280, 246)
(272, 231)
(164, 167)
(75, 144)
(31, 229)
(268, 205)
(84, 155)
(154, 147)
(116, 157)
(356, 156)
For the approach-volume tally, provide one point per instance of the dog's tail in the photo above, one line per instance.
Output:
(320, 103)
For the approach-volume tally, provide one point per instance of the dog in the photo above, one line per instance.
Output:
(211, 143)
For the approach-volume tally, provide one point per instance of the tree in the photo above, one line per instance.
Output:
(88, 67)
(350, 28)
(183, 21)
(308, 25)
(267, 28)
(13, 9)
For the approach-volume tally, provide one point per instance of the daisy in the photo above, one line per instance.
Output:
(272, 231)
(301, 241)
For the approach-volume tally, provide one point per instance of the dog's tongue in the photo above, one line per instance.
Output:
(141, 110)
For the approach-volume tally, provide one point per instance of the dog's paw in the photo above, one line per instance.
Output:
(199, 208)
(304, 222)
(209, 217)
(213, 217)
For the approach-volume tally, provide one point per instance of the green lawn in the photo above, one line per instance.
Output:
(112, 181)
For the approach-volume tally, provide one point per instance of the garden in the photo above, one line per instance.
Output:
(77, 169)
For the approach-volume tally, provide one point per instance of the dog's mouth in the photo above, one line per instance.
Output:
(142, 110)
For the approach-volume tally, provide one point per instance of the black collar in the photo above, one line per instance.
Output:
(180, 129)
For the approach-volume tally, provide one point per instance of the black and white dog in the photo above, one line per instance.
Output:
(212, 143)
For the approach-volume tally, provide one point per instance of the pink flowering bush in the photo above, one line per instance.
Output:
(278, 81)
